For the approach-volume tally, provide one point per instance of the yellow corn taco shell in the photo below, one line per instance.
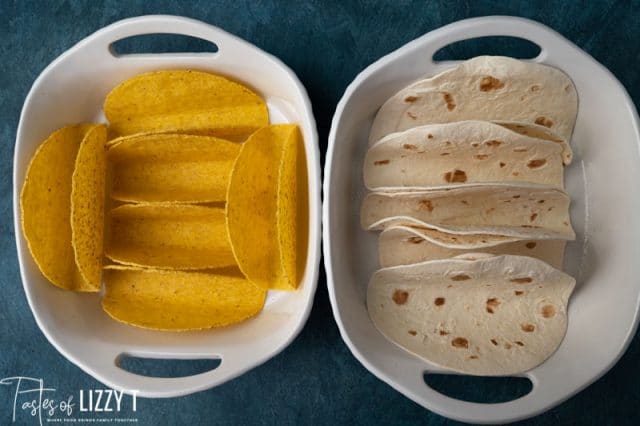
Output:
(87, 206)
(261, 207)
(169, 237)
(186, 100)
(171, 168)
(45, 203)
(179, 301)
(287, 214)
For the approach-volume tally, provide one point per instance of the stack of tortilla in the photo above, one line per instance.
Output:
(466, 171)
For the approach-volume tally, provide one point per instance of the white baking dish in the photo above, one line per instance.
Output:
(72, 90)
(603, 312)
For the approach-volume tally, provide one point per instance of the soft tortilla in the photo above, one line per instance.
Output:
(539, 132)
(484, 88)
(463, 153)
(495, 315)
(517, 211)
(401, 245)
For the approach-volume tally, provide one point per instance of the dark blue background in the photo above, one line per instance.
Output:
(315, 380)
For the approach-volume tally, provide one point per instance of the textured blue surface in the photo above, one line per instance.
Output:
(315, 380)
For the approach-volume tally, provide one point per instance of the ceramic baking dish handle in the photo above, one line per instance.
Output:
(99, 44)
(548, 40)
(109, 371)
(536, 401)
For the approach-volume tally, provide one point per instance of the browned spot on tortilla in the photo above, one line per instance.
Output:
(439, 301)
(460, 342)
(565, 223)
(493, 143)
(492, 304)
(412, 332)
(519, 293)
(516, 196)
(400, 297)
(489, 83)
(507, 345)
(550, 208)
(534, 88)
(548, 311)
(444, 153)
(529, 226)
(447, 143)
(465, 202)
(481, 156)
(475, 144)
(534, 164)
(413, 116)
(448, 99)
(429, 136)
(409, 146)
(455, 176)
(410, 99)
(521, 280)
(380, 162)
(544, 121)
(494, 341)
(530, 245)
(450, 285)
(515, 173)
(533, 217)
(460, 277)
(519, 343)
(527, 328)
(540, 201)
(425, 205)
(489, 210)
(502, 164)
(473, 357)
(444, 333)
(414, 240)
(567, 88)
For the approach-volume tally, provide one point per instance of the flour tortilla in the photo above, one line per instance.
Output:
(539, 132)
(492, 316)
(462, 153)
(402, 245)
(484, 88)
(535, 131)
(516, 211)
